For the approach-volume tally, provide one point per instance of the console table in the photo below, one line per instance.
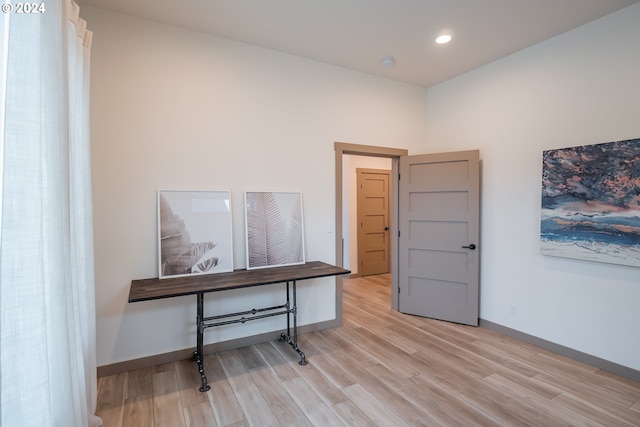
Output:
(198, 285)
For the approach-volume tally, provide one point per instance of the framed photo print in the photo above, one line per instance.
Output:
(194, 233)
(274, 229)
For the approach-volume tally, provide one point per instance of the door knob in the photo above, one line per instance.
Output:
(386, 229)
(471, 246)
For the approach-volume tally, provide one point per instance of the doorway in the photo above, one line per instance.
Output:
(349, 208)
(439, 206)
(342, 199)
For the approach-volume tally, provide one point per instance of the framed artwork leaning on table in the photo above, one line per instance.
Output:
(274, 229)
(194, 233)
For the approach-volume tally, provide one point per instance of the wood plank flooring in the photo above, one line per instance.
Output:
(381, 368)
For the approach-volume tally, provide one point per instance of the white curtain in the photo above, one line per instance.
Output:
(47, 306)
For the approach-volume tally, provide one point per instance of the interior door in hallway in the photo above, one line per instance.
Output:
(439, 224)
(373, 221)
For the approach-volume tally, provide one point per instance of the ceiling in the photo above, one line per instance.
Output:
(359, 34)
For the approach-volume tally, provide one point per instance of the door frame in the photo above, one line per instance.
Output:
(342, 148)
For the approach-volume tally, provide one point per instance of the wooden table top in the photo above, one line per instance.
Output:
(149, 289)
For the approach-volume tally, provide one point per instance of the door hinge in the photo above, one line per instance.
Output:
(398, 234)
(398, 290)
(398, 177)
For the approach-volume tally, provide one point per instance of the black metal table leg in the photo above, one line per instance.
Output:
(288, 308)
(199, 353)
(287, 338)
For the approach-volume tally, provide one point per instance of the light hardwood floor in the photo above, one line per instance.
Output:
(381, 368)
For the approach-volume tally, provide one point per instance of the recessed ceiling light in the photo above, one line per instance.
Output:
(443, 39)
(388, 61)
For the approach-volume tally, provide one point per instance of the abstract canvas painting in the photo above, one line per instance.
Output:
(591, 203)
(275, 231)
(194, 232)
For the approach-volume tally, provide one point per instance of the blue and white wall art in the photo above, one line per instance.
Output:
(591, 203)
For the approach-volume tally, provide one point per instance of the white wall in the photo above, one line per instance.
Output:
(175, 109)
(350, 164)
(582, 87)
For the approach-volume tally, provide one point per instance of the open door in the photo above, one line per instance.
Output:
(439, 231)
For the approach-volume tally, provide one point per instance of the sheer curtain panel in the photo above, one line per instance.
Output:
(47, 303)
